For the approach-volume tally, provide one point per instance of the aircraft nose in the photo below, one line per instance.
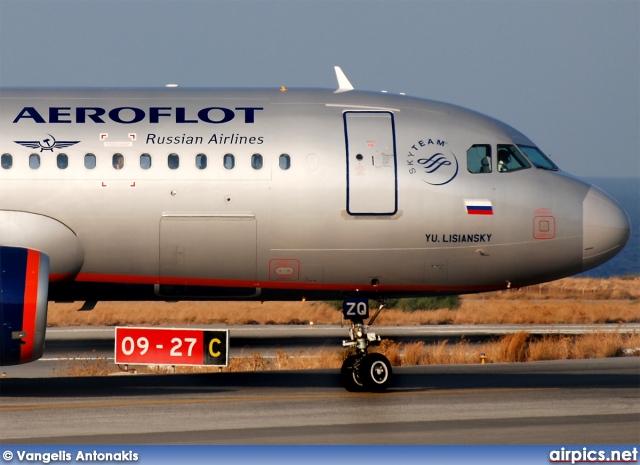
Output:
(605, 228)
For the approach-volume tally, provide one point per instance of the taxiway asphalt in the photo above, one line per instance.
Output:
(558, 402)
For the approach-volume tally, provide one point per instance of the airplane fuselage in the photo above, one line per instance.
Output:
(270, 195)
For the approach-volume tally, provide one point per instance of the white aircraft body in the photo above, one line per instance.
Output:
(276, 194)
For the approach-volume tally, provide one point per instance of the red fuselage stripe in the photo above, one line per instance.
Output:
(30, 305)
(129, 279)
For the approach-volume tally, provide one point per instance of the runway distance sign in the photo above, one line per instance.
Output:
(171, 346)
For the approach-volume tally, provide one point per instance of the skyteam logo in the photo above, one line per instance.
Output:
(50, 143)
(433, 166)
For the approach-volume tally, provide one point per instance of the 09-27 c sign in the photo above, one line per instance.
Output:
(171, 346)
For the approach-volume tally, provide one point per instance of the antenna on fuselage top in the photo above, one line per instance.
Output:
(343, 83)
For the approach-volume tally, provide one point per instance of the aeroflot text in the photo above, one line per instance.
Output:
(131, 115)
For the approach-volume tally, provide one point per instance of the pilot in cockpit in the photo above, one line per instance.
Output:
(503, 160)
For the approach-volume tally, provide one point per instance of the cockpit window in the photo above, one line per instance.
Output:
(479, 159)
(510, 159)
(539, 159)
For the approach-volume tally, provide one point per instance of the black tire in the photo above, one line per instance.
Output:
(350, 376)
(375, 372)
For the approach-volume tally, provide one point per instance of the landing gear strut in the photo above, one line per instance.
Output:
(363, 371)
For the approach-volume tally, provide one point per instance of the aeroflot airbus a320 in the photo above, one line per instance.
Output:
(276, 194)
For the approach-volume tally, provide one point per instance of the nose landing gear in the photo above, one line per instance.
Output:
(363, 372)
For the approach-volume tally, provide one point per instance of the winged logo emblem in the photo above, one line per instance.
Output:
(49, 143)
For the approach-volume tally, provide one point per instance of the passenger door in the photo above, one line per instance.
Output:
(372, 183)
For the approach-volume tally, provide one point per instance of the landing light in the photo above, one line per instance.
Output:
(171, 85)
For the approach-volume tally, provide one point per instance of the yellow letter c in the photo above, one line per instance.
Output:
(214, 354)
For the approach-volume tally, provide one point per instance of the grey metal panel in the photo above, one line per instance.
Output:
(208, 247)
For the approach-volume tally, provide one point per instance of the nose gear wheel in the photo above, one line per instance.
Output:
(364, 372)
(375, 372)
(350, 374)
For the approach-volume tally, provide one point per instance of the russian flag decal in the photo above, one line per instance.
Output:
(478, 206)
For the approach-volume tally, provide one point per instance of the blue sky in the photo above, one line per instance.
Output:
(566, 73)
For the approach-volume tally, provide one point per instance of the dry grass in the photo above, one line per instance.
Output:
(519, 347)
(472, 311)
(297, 360)
(191, 313)
(85, 366)
(570, 300)
(616, 288)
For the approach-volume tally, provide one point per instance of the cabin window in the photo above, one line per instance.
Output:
(62, 160)
(89, 161)
(201, 161)
(34, 161)
(173, 160)
(145, 161)
(510, 159)
(117, 161)
(229, 161)
(256, 161)
(6, 161)
(284, 161)
(479, 159)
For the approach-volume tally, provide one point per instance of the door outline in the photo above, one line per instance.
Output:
(352, 191)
